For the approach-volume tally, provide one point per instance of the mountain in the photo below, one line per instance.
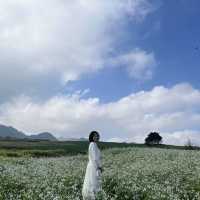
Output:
(8, 131)
(43, 136)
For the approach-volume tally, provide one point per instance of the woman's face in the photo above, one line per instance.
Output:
(96, 138)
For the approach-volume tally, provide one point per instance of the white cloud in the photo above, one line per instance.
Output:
(174, 112)
(60, 40)
(139, 64)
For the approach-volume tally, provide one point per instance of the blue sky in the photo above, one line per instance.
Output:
(124, 68)
(172, 33)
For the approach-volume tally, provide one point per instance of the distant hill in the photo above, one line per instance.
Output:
(10, 132)
(43, 136)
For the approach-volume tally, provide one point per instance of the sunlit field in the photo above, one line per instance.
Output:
(129, 173)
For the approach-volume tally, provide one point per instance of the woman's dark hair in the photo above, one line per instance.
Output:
(92, 134)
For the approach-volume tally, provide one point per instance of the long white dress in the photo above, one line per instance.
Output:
(92, 180)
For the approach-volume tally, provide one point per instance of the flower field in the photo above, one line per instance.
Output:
(129, 174)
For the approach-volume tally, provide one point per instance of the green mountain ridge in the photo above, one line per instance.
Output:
(10, 132)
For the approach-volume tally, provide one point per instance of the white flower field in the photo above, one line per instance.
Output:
(129, 174)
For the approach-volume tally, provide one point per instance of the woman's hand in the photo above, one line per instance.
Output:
(101, 169)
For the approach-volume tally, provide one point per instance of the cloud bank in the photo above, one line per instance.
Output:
(174, 112)
(60, 41)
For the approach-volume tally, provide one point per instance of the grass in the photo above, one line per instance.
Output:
(129, 174)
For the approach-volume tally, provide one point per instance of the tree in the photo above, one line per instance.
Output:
(153, 138)
(189, 145)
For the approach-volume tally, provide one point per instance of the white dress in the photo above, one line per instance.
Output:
(92, 180)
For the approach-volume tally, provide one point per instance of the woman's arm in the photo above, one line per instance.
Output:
(93, 156)
(100, 164)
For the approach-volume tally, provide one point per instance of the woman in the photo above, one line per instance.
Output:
(92, 181)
